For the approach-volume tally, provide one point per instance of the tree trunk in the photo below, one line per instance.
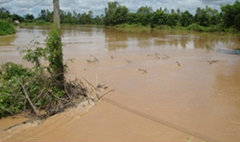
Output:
(56, 49)
(56, 13)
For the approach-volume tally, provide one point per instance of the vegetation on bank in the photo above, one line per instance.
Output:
(205, 19)
(41, 87)
(33, 24)
(131, 28)
(6, 28)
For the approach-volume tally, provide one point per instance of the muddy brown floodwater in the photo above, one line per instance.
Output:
(169, 86)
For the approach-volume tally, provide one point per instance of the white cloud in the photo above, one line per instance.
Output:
(97, 6)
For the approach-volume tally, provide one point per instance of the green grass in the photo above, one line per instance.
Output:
(6, 28)
(191, 28)
(36, 23)
(196, 27)
(132, 28)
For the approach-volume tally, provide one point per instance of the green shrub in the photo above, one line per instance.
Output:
(10, 75)
(163, 27)
(55, 56)
(215, 28)
(231, 30)
(132, 28)
(37, 83)
(6, 28)
(195, 27)
(37, 88)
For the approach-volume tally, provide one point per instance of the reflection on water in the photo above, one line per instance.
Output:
(110, 39)
(115, 41)
(229, 51)
(7, 40)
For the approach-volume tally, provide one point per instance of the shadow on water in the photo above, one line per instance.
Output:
(229, 51)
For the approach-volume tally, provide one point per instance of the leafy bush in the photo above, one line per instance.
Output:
(11, 101)
(37, 88)
(6, 28)
(17, 83)
(195, 27)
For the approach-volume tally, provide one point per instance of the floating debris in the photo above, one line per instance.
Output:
(93, 60)
(213, 61)
(178, 64)
(144, 71)
(158, 56)
(128, 61)
(165, 57)
(102, 87)
(112, 57)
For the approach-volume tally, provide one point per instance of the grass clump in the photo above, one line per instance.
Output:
(212, 28)
(196, 27)
(6, 28)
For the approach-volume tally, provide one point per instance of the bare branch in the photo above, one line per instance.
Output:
(29, 100)
(106, 93)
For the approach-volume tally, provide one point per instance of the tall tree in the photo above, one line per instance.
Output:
(231, 15)
(109, 13)
(29, 18)
(144, 14)
(186, 18)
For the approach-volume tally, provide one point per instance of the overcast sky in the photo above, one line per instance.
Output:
(97, 6)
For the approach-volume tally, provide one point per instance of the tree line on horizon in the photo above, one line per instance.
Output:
(227, 18)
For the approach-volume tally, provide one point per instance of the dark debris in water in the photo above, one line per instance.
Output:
(159, 56)
(213, 61)
(144, 71)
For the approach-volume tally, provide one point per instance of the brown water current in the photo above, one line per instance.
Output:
(168, 86)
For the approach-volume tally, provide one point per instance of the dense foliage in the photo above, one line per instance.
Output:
(205, 19)
(47, 16)
(209, 19)
(55, 57)
(71, 17)
(231, 15)
(37, 88)
(6, 28)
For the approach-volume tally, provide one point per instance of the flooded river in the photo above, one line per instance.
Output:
(169, 86)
